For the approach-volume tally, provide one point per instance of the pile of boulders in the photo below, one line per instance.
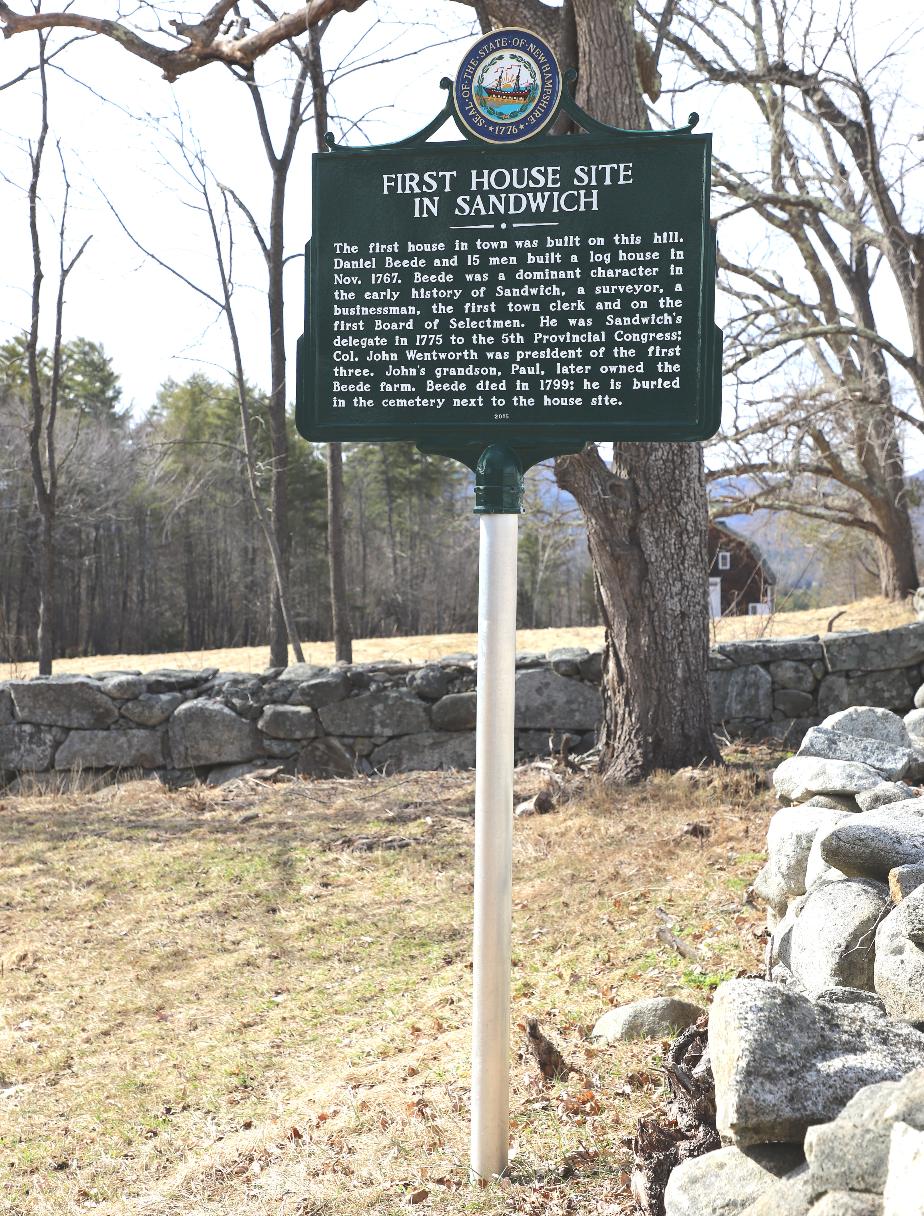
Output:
(819, 1068)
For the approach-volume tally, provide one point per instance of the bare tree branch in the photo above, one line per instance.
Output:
(204, 41)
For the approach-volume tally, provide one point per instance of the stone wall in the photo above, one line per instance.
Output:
(392, 716)
(778, 689)
(315, 721)
(819, 1068)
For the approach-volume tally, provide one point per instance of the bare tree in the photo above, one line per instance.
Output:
(818, 431)
(336, 544)
(197, 173)
(195, 162)
(43, 395)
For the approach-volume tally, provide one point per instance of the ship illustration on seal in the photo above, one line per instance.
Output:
(506, 87)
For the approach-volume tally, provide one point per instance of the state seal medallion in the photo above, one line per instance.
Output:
(507, 87)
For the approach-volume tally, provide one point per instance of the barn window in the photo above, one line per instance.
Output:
(724, 560)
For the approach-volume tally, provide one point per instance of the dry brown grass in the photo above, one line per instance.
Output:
(863, 614)
(214, 1006)
(872, 613)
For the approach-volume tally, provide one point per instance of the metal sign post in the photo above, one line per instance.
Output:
(500, 300)
(498, 497)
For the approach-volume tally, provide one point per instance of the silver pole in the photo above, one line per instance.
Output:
(497, 603)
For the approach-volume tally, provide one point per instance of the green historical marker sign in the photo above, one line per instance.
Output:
(538, 294)
(500, 300)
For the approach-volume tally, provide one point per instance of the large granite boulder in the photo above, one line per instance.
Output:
(111, 749)
(151, 708)
(430, 750)
(790, 1195)
(457, 711)
(882, 795)
(792, 703)
(430, 682)
(891, 761)
(6, 706)
(246, 695)
(852, 1152)
(891, 690)
(76, 703)
(325, 757)
(782, 1062)
(800, 777)
(325, 689)
(828, 941)
(741, 692)
(289, 722)
(869, 722)
(871, 843)
(789, 842)
(788, 673)
(298, 673)
(905, 879)
(391, 712)
(545, 699)
(899, 974)
(817, 870)
(657, 1017)
(846, 1203)
(771, 650)
(123, 687)
(726, 1181)
(207, 732)
(904, 1188)
(567, 660)
(591, 668)
(887, 648)
(25, 748)
(914, 723)
(834, 802)
(178, 679)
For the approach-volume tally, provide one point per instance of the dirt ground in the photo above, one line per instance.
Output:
(863, 614)
(256, 999)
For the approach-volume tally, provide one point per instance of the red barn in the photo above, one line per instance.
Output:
(740, 581)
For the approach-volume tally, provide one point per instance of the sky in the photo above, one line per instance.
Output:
(116, 122)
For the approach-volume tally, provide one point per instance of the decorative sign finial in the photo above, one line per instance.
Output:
(507, 87)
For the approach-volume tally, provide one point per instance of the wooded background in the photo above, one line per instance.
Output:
(159, 548)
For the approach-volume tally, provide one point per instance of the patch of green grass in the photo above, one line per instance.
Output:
(706, 981)
(736, 883)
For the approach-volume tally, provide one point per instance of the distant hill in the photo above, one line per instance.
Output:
(795, 563)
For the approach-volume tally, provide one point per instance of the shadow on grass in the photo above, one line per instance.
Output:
(321, 813)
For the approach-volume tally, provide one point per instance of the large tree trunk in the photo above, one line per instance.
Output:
(646, 519)
(898, 574)
(646, 530)
(883, 461)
